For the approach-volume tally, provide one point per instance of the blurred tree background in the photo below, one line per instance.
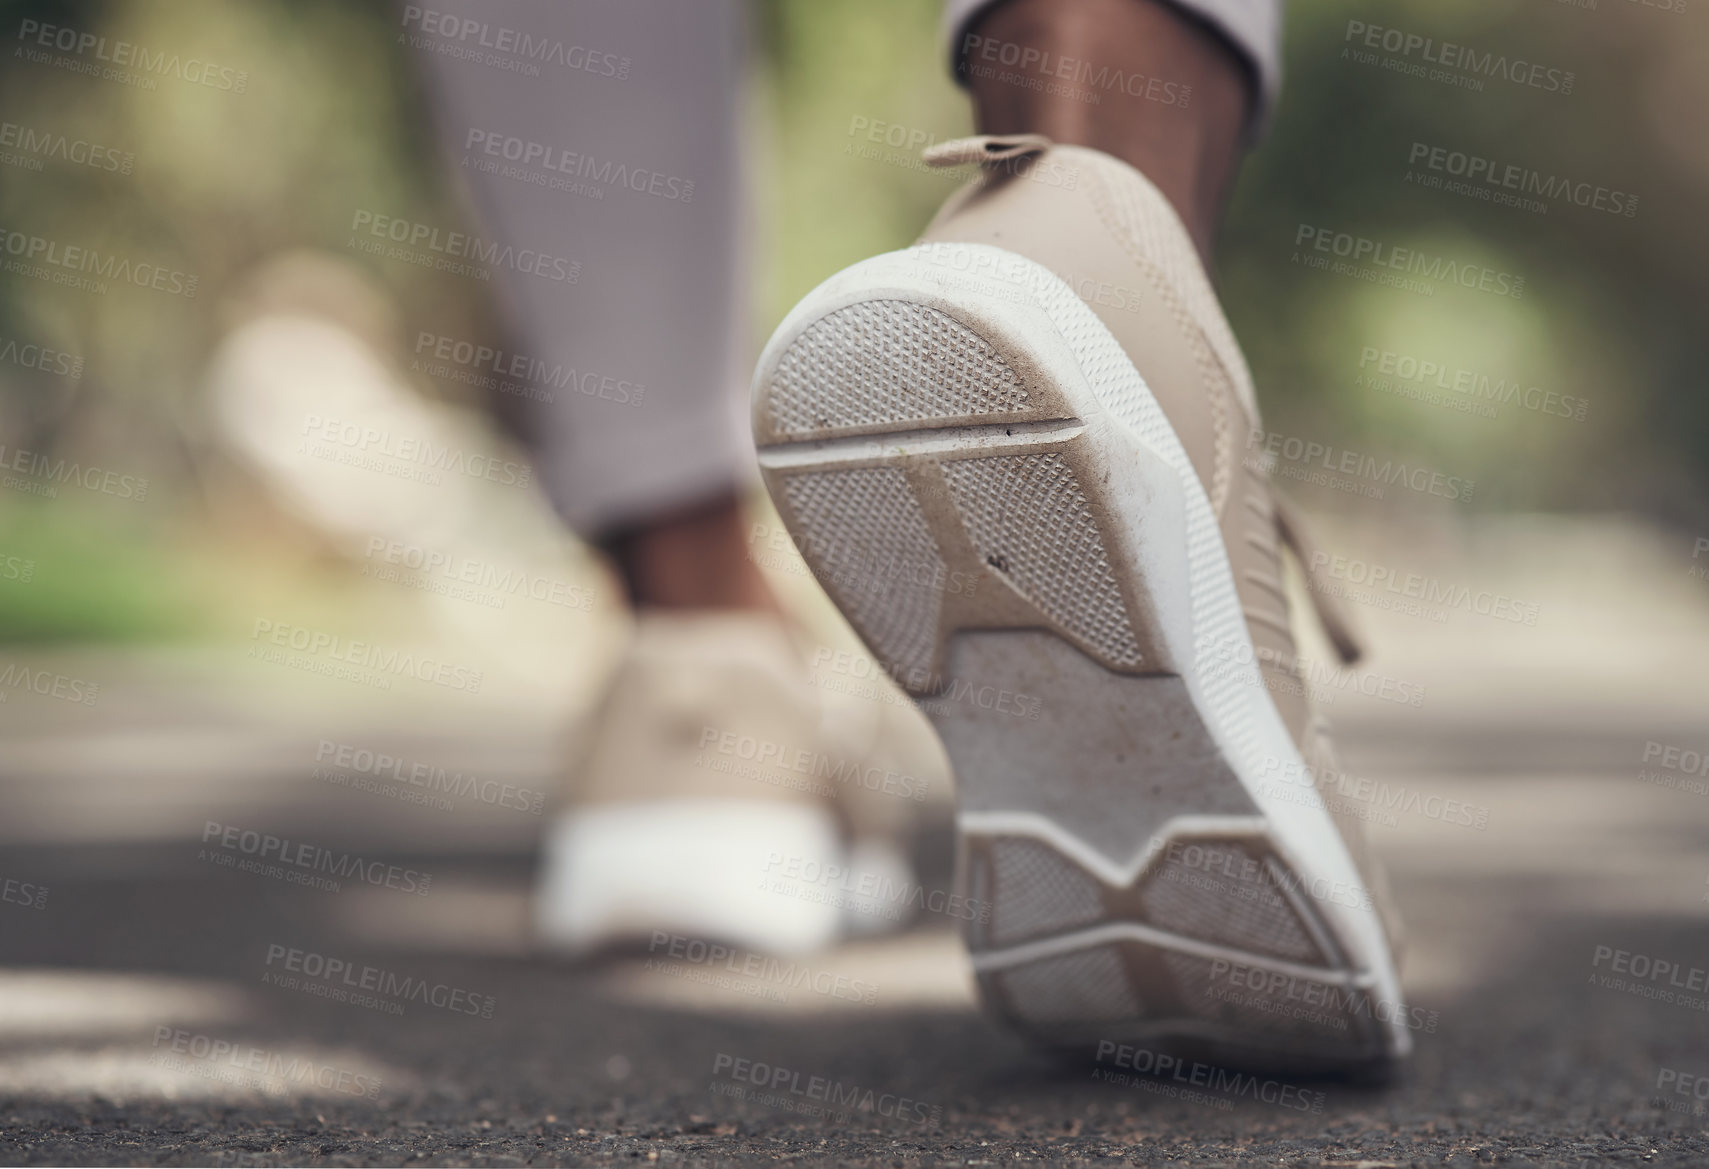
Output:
(330, 121)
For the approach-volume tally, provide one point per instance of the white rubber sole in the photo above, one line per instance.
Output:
(617, 875)
(985, 486)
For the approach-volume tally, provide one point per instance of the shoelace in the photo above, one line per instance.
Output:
(1332, 615)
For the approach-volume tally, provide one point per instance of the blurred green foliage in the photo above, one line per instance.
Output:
(79, 573)
(1614, 306)
(332, 120)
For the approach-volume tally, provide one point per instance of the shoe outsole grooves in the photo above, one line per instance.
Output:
(994, 519)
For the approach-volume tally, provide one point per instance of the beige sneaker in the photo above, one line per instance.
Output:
(711, 804)
(1061, 481)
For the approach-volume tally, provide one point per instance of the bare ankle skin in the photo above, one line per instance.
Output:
(692, 559)
(1190, 149)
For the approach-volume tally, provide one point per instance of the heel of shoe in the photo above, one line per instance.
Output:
(1008, 511)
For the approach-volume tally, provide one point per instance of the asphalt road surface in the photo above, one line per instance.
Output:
(161, 1012)
(161, 1006)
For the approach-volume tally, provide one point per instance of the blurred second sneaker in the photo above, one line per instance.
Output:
(721, 795)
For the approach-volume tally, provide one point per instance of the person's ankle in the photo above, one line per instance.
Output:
(696, 558)
(1184, 133)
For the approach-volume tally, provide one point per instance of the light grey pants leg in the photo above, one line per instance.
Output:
(1252, 27)
(607, 133)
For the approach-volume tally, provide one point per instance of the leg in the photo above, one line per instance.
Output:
(620, 152)
(607, 133)
(1190, 149)
(692, 559)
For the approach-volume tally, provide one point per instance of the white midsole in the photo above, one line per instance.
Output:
(696, 868)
